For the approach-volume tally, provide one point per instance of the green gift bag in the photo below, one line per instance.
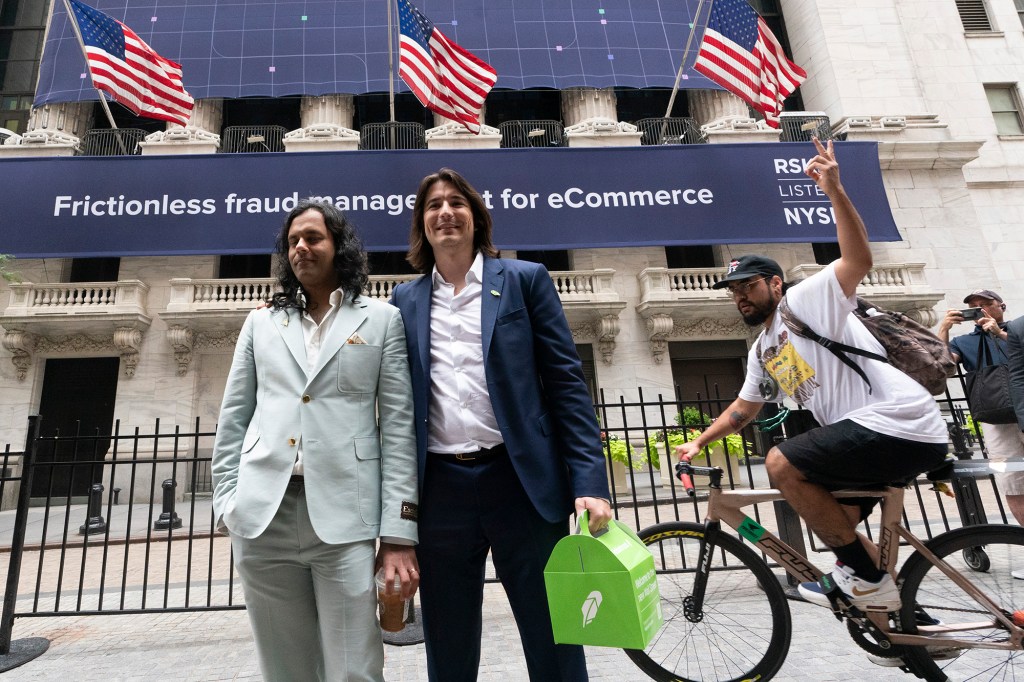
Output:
(603, 591)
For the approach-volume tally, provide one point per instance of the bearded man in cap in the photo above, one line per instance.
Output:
(988, 339)
(879, 426)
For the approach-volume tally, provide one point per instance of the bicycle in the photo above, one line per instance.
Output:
(727, 617)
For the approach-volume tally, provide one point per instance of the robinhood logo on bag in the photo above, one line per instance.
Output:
(590, 606)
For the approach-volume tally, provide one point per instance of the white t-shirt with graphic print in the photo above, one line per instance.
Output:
(816, 379)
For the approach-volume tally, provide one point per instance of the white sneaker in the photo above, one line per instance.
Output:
(865, 595)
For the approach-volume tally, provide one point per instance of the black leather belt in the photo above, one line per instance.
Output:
(476, 457)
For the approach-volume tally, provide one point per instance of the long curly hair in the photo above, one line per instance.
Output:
(421, 253)
(350, 263)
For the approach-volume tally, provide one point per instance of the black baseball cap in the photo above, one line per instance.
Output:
(983, 293)
(746, 267)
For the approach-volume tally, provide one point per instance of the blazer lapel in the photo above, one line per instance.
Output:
(490, 299)
(422, 290)
(289, 324)
(348, 318)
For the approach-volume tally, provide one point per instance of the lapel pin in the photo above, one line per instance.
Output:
(495, 293)
(285, 323)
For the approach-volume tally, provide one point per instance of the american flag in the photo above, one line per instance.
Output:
(740, 53)
(443, 76)
(122, 64)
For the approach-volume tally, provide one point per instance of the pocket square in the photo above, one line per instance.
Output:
(356, 339)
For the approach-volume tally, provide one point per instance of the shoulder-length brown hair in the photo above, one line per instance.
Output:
(421, 253)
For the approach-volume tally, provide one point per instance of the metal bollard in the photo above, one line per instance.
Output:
(117, 494)
(94, 522)
(168, 517)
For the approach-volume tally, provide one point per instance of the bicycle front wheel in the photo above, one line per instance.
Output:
(926, 587)
(742, 629)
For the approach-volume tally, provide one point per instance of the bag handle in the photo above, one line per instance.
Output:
(583, 526)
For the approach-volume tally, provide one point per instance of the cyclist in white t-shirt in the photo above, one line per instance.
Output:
(883, 430)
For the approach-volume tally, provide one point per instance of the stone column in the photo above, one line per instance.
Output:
(200, 136)
(326, 125)
(712, 106)
(333, 109)
(724, 117)
(582, 104)
(448, 134)
(207, 115)
(591, 119)
(53, 130)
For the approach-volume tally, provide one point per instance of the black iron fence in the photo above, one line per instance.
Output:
(123, 522)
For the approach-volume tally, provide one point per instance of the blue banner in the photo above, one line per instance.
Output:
(558, 198)
(276, 48)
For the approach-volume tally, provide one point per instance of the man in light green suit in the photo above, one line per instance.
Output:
(315, 458)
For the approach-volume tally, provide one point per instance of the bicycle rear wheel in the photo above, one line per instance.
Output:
(744, 627)
(927, 587)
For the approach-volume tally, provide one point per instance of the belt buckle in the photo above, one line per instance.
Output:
(463, 457)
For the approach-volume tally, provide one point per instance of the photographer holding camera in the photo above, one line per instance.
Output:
(1002, 440)
(986, 310)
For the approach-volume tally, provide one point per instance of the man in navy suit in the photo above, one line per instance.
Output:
(507, 438)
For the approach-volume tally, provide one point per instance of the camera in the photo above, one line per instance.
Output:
(971, 314)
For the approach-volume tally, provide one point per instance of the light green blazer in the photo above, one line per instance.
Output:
(353, 415)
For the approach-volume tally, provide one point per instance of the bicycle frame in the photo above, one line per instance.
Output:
(725, 506)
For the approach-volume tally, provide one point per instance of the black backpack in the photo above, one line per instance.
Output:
(910, 346)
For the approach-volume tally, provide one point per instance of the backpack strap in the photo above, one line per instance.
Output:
(840, 350)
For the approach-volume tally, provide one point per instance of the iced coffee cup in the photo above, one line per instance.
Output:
(393, 609)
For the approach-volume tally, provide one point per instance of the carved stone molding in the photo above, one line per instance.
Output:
(73, 343)
(128, 341)
(606, 337)
(182, 339)
(659, 328)
(705, 327)
(21, 344)
(186, 341)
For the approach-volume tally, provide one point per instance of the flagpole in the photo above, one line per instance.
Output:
(390, 62)
(103, 100)
(682, 65)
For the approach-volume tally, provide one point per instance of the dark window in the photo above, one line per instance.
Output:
(263, 111)
(586, 353)
(696, 256)
(523, 105)
(825, 252)
(374, 108)
(554, 261)
(244, 267)
(22, 23)
(633, 105)
(94, 269)
(389, 263)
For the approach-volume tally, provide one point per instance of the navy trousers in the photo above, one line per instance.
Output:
(467, 509)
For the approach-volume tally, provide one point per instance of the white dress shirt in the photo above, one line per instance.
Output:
(461, 418)
(313, 335)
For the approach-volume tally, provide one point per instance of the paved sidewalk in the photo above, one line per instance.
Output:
(217, 646)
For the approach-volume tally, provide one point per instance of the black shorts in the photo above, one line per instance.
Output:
(847, 455)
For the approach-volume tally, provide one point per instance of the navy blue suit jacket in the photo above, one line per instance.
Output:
(534, 378)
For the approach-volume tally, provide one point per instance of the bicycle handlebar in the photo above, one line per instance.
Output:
(685, 472)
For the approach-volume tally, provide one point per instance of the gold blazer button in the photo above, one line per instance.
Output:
(306, 398)
(291, 442)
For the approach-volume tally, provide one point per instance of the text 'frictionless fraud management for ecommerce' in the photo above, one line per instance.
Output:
(393, 204)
